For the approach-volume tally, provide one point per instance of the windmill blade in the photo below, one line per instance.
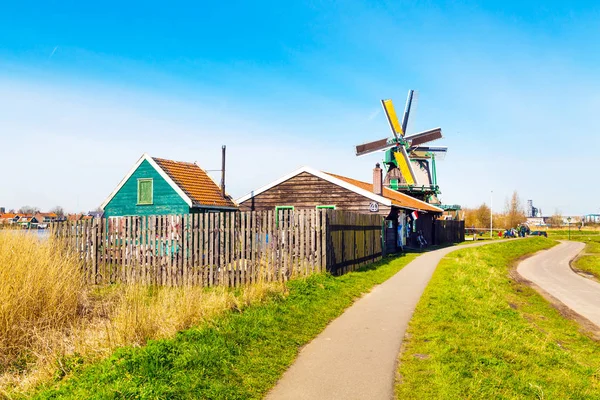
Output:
(405, 166)
(427, 152)
(407, 109)
(437, 150)
(414, 108)
(424, 137)
(372, 147)
(390, 112)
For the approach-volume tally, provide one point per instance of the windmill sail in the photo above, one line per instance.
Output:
(427, 151)
(405, 166)
(371, 147)
(390, 112)
(424, 137)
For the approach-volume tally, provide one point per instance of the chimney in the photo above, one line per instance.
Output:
(223, 171)
(377, 180)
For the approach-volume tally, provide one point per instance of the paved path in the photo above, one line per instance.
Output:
(355, 356)
(550, 270)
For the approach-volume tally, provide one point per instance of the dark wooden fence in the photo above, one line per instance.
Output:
(447, 232)
(354, 240)
(229, 249)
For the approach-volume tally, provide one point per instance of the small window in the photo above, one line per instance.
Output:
(145, 192)
(325, 207)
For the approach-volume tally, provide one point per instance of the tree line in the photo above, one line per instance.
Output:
(512, 215)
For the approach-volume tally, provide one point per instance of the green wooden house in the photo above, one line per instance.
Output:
(155, 186)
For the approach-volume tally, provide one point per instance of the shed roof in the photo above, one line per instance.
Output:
(195, 182)
(390, 197)
(397, 198)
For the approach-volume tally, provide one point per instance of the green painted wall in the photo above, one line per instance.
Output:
(166, 200)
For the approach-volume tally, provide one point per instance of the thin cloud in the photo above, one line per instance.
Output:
(374, 114)
(53, 51)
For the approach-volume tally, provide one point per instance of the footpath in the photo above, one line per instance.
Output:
(550, 271)
(355, 356)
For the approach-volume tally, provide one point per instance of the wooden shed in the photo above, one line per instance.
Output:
(156, 186)
(307, 188)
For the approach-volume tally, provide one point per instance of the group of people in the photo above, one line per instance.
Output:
(520, 231)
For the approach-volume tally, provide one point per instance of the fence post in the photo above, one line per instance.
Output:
(95, 249)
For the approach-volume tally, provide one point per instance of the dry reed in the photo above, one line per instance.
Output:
(47, 312)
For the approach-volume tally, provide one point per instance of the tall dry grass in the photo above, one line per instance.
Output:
(41, 290)
(47, 313)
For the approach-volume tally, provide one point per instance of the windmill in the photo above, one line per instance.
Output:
(410, 164)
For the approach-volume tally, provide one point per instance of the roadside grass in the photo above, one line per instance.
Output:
(51, 323)
(477, 333)
(589, 263)
(239, 355)
(589, 259)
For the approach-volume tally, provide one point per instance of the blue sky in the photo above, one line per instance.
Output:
(85, 89)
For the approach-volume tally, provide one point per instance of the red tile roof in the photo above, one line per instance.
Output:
(195, 182)
(397, 198)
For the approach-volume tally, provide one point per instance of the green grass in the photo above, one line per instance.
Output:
(478, 334)
(238, 356)
(576, 234)
(589, 263)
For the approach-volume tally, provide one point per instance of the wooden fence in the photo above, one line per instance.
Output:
(449, 232)
(354, 240)
(229, 249)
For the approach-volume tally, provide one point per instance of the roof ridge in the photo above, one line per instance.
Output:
(384, 190)
(175, 161)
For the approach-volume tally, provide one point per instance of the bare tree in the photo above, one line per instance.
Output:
(483, 216)
(556, 220)
(29, 210)
(59, 211)
(515, 213)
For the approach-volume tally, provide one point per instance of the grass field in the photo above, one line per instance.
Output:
(239, 355)
(478, 334)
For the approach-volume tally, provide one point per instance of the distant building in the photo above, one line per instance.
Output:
(591, 218)
(532, 212)
(96, 214)
(44, 218)
(536, 221)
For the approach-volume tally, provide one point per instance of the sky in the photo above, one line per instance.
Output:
(87, 87)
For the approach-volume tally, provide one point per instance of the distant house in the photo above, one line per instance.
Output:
(307, 188)
(96, 214)
(591, 218)
(155, 186)
(27, 220)
(44, 218)
(74, 217)
(7, 218)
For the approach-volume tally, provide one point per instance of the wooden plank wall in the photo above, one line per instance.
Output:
(354, 240)
(449, 232)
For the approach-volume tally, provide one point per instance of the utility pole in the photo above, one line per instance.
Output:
(491, 212)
